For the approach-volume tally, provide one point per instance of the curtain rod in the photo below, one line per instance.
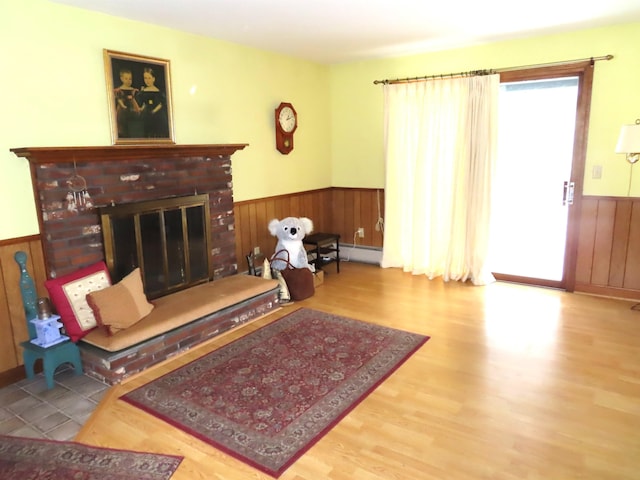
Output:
(489, 72)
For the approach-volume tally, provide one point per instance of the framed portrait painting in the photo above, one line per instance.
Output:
(139, 93)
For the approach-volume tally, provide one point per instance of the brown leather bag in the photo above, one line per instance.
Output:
(299, 280)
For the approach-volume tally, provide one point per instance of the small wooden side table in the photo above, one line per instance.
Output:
(323, 244)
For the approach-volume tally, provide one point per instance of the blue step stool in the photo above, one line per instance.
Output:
(52, 357)
(52, 354)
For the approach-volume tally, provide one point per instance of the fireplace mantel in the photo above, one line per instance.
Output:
(37, 155)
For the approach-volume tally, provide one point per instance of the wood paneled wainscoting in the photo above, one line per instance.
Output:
(13, 323)
(609, 247)
(336, 210)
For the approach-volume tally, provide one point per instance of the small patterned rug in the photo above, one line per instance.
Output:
(267, 397)
(36, 459)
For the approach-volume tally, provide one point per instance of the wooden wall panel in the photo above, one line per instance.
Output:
(586, 241)
(609, 247)
(335, 210)
(339, 215)
(17, 321)
(7, 347)
(620, 243)
(350, 221)
(603, 242)
(355, 208)
(253, 217)
(632, 265)
(12, 318)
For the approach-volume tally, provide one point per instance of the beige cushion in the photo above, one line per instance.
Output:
(182, 307)
(120, 306)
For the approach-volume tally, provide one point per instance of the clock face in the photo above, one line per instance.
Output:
(287, 119)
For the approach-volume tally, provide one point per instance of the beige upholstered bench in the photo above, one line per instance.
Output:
(178, 322)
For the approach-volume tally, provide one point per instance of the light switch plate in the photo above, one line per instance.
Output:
(596, 172)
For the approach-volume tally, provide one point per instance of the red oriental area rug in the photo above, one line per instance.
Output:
(35, 459)
(267, 397)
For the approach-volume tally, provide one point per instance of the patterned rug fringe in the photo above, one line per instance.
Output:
(27, 458)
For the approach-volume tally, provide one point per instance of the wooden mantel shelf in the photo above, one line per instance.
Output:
(37, 155)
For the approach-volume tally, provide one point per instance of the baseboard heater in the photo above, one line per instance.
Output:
(360, 253)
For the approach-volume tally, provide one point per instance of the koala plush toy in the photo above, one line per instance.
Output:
(290, 231)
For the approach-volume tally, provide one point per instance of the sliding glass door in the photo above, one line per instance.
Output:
(542, 127)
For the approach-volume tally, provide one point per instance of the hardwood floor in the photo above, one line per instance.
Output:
(516, 382)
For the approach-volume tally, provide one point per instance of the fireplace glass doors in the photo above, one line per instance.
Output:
(168, 239)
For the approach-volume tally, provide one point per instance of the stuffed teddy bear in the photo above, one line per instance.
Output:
(290, 231)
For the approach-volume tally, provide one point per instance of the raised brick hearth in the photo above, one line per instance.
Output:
(114, 367)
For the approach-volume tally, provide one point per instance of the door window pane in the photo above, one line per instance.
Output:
(536, 125)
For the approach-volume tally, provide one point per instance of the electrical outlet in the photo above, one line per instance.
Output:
(256, 251)
(361, 232)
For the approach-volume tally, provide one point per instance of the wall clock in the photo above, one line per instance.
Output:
(286, 124)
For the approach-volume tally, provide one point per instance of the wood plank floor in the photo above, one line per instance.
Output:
(516, 383)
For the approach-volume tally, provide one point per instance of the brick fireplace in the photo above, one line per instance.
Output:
(125, 174)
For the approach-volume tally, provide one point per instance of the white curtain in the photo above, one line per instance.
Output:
(440, 151)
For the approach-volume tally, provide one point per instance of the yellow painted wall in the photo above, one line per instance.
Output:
(54, 94)
(357, 104)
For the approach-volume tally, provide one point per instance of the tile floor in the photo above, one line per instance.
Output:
(28, 409)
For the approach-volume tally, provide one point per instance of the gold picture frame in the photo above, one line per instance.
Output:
(139, 93)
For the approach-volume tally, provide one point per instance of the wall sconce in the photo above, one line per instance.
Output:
(629, 142)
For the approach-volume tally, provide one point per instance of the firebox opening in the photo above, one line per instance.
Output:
(169, 239)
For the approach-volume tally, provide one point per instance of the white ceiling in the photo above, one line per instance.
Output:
(337, 31)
